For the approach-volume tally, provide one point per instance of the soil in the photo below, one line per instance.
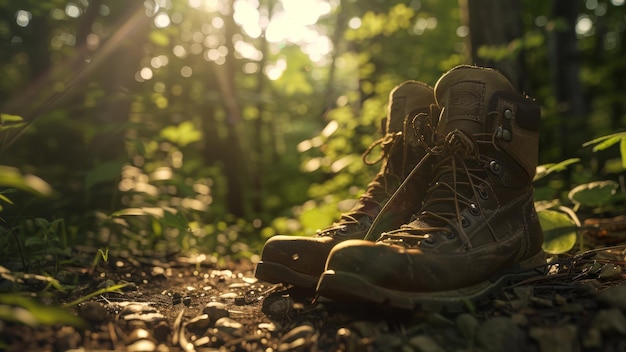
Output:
(201, 304)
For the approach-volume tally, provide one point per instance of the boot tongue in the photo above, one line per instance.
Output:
(465, 110)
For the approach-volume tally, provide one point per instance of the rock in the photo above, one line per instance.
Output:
(572, 308)
(135, 324)
(139, 334)
(388, 342)
(610, 321)
(592, 339)
(199, 324)
(425, 343)
(467, 325)
(204, 341)
(610, 272)
(298, 338)
(501, 334)
(134, 308)
(267, 326)
(93, 312)
(229, 326)
(229, 295)
(523, 292)
(542, 302)
(162, 331)
(560, 338)
(141, 346)
(368, 329)
(215, 311)
(150, 318)
(67, 338)
(613, 296)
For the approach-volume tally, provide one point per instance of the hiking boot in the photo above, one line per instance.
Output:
(477, 228)
(299, 260)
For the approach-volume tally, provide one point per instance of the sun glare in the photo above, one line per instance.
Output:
(293, 23)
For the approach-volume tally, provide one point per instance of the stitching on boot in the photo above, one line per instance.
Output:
(466, 101)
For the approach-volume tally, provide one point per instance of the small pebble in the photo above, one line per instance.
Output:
(229, 295)
(467, 325)
(614, 296)
(162, 331)
(93, 312)
(229, 326)
(297, 338)
(267, 326)
(139, 334)
(199, 323)
(67, 338)
(215, 310)
(141, 346)
(425, 343)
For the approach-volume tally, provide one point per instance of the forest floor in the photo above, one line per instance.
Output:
(196, 304)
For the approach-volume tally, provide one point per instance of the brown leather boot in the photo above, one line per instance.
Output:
(300, 260)
(477, 228)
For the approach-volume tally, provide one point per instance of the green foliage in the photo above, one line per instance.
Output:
(19, 309)
(8, 122)
(604, 142)
(109, 289)
(559, 231)
(11, 177)
(593, 194)
(561, 224)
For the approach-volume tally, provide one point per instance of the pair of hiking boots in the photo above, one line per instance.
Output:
(449, 217)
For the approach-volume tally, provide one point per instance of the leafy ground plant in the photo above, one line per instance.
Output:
(561, 217)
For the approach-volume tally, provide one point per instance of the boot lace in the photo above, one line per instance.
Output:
(460, 176)
(377, 191)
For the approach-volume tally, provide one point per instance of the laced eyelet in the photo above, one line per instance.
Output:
(473, 209)
(495, 167)
(343, 229)
(430, 240)
(451, 235)
(464, 221)
(482, 193)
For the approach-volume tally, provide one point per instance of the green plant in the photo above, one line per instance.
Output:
(561, 217)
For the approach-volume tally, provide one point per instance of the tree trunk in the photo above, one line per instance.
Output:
(565, 68)
(495, 23)
(236, 162)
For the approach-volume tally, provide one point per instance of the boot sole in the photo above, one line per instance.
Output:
(279, 273)
(352, 287)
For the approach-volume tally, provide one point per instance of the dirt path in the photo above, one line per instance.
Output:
(192, 304)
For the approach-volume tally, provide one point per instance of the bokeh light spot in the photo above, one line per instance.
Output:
(72, 10)
(162, 20)
(186, 71)
(145, 73)
(22, 18)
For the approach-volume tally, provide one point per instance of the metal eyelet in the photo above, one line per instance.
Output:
(495, 167)
(474, 209)
(506, 135)
(464, 222)
(430, 240)
(508, 114)
(503, 134)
